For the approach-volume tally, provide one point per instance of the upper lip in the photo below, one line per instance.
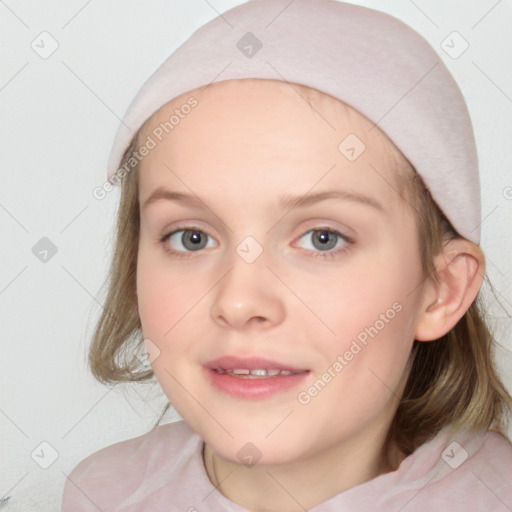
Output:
(249, 363)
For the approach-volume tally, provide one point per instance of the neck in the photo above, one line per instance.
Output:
(302, 484)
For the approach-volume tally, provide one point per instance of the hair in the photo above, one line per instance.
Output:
(452, 381)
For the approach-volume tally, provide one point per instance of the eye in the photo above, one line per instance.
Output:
(326, 242)
(186, 240)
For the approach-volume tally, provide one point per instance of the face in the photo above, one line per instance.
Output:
(229, 266)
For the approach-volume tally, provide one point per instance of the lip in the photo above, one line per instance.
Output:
(251, 363)
(255, 389)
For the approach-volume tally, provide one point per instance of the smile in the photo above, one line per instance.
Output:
(258, 373)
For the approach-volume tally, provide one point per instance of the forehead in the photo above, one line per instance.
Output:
(269, 137)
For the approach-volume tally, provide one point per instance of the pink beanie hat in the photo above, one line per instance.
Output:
(366, 58)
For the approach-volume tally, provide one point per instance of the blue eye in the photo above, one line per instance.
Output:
(326, 242)
(186, 240)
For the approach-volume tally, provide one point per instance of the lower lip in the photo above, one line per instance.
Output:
(254, 388)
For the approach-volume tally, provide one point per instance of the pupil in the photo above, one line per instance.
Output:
(326, 239)
(192, 240)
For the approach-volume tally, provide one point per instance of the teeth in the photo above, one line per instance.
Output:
(240, 372)
(257, 372)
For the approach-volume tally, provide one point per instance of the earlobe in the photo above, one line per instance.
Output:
(460, 270)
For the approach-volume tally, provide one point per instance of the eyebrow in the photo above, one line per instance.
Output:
(286, 201)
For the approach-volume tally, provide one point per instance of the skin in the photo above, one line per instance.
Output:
(244, 144)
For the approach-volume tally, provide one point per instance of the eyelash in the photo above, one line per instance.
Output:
(323, 255)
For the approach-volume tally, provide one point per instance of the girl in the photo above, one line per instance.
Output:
(297, 251)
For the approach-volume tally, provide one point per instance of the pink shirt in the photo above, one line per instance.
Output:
(163, 471)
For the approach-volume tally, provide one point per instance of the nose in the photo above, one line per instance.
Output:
(248, 296)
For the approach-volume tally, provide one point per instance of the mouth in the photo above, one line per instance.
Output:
(257, 373)
(253, 378)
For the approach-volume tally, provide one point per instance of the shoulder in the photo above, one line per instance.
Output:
(107, 476)
(477, 473)
(137, 452)
(495, 456)
(456, 470)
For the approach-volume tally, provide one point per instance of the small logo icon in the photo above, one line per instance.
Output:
(249, 45)
(454, 45)
(351, 147)
(454, 455)
(249, 455)
(44, 250)
(149, 353)
(44, 45)
(44, 455)
(249, 249)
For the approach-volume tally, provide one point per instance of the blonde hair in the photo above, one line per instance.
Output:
(452, 380)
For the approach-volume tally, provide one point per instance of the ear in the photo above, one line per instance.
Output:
(460, 270)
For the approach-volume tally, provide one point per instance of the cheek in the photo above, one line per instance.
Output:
(162, 299)
(362, 374)
(356, 297)
(168, 307)
(371, 310)
(163, 304)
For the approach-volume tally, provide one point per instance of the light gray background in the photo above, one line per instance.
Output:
(59, 116)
